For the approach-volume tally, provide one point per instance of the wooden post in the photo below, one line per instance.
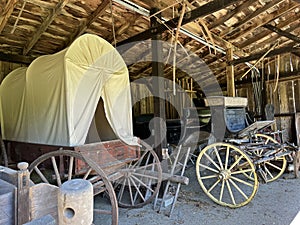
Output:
(160, 143)
(158, 87)
(23, 194)
(230, 73)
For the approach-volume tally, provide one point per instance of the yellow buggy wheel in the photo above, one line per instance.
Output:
(221, 169)
(272, 169)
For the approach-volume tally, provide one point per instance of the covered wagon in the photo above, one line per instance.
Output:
(70, 113)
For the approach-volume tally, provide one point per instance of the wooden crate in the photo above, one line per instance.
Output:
(7, 203)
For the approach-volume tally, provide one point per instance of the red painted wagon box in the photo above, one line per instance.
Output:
(108, 155)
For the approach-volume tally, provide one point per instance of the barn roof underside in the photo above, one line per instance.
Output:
(251, 28)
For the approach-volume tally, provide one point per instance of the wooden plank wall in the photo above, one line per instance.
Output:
(285, 95)
(283, 99)
(142, 98)
(6, 68)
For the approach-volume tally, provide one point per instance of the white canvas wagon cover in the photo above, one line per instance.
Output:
(53, 101)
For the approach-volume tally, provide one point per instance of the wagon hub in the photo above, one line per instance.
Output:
(224, 175)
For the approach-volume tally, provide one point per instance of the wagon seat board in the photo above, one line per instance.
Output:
(53, 101)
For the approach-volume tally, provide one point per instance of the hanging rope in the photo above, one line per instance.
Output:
(172, 37)
(172, 5)
(262, 57)
(175, 46)
(291, 63)
(113, 23)
(208, 33)
(171, 32)
(277, 73)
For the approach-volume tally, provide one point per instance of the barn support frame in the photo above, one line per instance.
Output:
(158, 88)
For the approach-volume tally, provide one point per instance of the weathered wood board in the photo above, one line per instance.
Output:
(43, 201)
(7, 203)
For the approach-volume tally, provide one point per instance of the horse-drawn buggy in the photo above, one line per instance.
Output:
(238, 154)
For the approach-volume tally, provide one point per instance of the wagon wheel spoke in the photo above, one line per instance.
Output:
(121, 191)
(218, 157)
(274, 168)
(41, 175)
(209, 168)
(236, 162)
(71, 162)
(268, 171)
(226, 158)
(222, 191)
(212, 161)
(273, 165)
(143, 179)
(137, 187)
(239, 190)
(242, 181)
(130, 191)
(87, 173)
(59, 163)
(213, 186)
(226, 184)
(209, 177)
(57, 175)
(230, 192)
(241, 171)
(145, 176)
(148, 187)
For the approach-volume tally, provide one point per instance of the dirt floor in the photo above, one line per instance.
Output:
(274, 203)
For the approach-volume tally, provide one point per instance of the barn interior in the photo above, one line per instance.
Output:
(178, 55)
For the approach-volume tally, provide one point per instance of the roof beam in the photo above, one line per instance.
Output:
(283, 76)
(260, 22)
(282, 50)
(273, 39)
(6, 12)
(250, 17)
(282, 33)
(16, 58)
(91, 19)
(56, 11)
(231, 13)
(188, 17)
(264, 33)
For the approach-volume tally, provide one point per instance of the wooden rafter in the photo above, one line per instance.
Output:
(91, 19)
(277, 51)
(230, 14)
(266, 32)
(6, 12)
(16, 58)
(188, 17)
(56, 11)
(283, 76)
(282, 33)
(250, 17)
(222, 42)
(260, 22)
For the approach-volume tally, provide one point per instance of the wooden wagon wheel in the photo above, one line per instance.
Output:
(59, 166)
(220, 169)
(272, 169)
(141, 179)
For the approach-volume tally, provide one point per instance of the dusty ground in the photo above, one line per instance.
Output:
(275, 203)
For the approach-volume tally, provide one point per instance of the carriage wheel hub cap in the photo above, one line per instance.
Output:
(224, 175)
